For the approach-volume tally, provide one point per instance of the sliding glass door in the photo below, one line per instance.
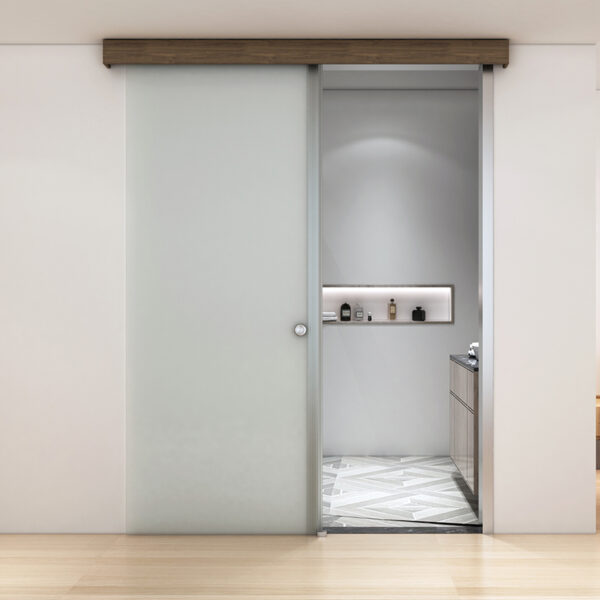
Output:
(216, 282)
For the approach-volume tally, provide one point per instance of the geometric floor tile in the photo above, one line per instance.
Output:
(395, 491)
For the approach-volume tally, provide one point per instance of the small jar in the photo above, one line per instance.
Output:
(418, 314)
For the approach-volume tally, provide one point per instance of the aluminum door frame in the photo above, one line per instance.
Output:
(486, 299)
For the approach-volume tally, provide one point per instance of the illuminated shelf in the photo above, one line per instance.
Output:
(436, 300)
(387, 322)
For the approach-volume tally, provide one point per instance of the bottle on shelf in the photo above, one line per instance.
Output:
(369, 317)
(359, 313)
(345, 312)
(392, 310)
(418, 314)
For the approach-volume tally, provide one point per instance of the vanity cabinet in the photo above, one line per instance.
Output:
(463, 418)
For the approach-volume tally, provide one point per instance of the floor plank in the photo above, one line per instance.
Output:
(378, 566)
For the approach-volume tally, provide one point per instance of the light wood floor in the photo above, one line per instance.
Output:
(359, 567)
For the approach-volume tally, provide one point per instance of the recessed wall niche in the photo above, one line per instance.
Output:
(436, 300)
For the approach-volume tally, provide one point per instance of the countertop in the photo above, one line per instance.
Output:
(464, 361)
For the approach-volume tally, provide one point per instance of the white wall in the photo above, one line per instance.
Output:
(61, 290)
(400, 206)
(544, 291)
(62, 305)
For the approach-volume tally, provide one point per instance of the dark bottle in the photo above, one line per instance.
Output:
(418, 314)
(345, 312)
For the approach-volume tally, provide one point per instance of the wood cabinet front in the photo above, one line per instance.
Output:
(471, 442)
(463, 423)
(460, 437)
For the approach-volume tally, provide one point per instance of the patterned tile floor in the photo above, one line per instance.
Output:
(395, 491)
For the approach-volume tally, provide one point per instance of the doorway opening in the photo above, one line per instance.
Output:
(401, 270)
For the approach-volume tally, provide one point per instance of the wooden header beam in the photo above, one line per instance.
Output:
(303, 51)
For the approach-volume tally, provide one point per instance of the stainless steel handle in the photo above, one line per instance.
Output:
(300, 329)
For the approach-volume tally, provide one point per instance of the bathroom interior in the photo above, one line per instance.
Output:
(400, 274)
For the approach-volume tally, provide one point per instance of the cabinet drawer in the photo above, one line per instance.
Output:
(459, 381)
(471, 453)
(472, 390)
(461, 445)
(452, 409)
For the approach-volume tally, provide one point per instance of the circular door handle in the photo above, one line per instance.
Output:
(300, 329)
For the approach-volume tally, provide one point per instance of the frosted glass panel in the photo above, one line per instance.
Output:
(216, 280)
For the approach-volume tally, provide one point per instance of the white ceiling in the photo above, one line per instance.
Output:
(87, 21)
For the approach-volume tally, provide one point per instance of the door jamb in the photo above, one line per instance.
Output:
(486, 300)
(314, 287)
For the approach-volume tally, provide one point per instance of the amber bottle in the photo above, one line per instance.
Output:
(392, 310)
